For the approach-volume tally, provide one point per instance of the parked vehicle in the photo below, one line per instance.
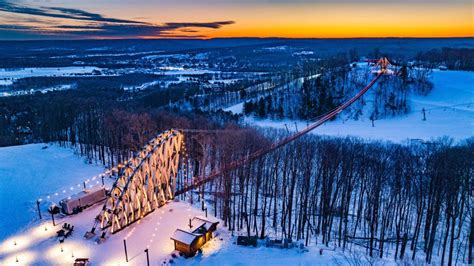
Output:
(76, 203)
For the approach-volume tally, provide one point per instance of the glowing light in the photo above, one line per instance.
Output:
(40, 232)
(57, 255)
(15, 244)
(21, 258)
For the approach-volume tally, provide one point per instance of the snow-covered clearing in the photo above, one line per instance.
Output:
(5, 82)
(142, 86)
(449, 112)
(236, 109)
(32, 91)
(12, 73)
(182, 71)
(28, 173)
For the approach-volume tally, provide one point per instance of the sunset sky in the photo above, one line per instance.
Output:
(73, 19)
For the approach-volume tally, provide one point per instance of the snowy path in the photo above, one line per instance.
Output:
(452, 89)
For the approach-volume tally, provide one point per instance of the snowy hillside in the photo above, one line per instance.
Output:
(28, 173)
(449, 112)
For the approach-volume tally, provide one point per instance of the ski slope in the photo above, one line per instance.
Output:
(450, 112)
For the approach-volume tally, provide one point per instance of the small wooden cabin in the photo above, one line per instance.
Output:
(189, 242)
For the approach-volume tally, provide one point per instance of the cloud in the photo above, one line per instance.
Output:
(89, 25)
(59, 12)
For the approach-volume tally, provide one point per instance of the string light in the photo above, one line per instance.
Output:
(56, 194)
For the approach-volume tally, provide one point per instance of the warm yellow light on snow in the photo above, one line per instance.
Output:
(20, 258)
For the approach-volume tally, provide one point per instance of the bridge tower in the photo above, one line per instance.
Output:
(145, 183)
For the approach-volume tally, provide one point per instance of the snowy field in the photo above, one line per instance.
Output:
(28, 173)
(31, 91)
(13, 73)
(450, 112)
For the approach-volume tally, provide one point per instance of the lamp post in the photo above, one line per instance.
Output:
(147, 258)
(38, 207)
(125, 248)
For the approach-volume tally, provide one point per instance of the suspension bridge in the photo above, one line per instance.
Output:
(157, 173)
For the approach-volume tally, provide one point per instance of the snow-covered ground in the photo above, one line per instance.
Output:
(182, 71)
(222, 250)
(28, 173)
(17, 73)
(450, 112)
(32, 91)
(236, 109)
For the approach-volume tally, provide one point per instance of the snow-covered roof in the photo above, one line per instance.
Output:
(197, 226)
(82, 193)
(201, 221)
(206, 219)
(183, 236)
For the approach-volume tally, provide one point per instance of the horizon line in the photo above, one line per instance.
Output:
(243, 37)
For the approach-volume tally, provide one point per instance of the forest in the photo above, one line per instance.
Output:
(324, 89)
(405, 202)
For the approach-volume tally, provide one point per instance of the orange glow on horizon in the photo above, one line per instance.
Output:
(282, 18)
(335, 21)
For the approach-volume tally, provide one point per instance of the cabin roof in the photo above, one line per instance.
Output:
(206, 222)
(206, 219)
(195, 229)
(183, 236)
